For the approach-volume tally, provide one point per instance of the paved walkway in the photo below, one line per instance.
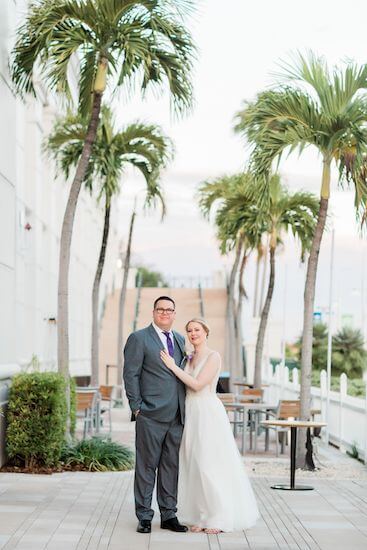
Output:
(96, 511)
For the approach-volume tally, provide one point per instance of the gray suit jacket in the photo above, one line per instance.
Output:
(150, 386)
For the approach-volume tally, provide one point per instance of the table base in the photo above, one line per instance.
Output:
(295, 488)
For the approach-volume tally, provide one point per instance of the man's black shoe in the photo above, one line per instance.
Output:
(173, 525)
(144, 526)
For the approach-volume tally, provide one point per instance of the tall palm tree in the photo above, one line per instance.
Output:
(211, 193)
(140, 145)
(320, 108)
(232, 194)
(285, 211)
(120, 42)
(259, 259)
(281, 212)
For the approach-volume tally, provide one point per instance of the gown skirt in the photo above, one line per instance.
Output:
(214, 490)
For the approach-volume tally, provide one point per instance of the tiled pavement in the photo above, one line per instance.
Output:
(95, 511)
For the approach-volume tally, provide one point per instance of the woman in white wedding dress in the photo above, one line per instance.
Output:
(214, 492)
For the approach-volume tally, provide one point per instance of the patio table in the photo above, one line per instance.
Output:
(248, 407)
(293, 425)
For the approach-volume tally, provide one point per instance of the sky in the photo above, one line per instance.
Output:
(240, 45)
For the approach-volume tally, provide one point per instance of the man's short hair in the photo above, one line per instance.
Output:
(164, 298)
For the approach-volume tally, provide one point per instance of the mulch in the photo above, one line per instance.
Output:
(42, 470)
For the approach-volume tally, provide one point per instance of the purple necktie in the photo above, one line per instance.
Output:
(169, 343)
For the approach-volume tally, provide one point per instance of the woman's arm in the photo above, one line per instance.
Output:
(205, 377)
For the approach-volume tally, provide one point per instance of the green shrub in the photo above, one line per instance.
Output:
(98, 455)
(36, 419)
(356, 386)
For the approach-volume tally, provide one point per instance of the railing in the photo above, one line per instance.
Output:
(190, 282)
(6, 374)
(347, 415)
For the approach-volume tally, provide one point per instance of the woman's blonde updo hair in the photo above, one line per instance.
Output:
(201, 322)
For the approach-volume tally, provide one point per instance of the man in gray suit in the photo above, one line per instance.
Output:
(157, 401)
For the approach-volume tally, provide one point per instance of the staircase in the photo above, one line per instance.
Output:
(188, 305)
(215, 313)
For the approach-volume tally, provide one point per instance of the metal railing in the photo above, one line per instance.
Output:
(189, 282)
(347, 417)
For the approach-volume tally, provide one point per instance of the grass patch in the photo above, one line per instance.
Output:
(97, 455)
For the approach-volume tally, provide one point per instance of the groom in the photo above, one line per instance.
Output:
(157, 401)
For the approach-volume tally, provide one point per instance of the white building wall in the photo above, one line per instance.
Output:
(31, 194)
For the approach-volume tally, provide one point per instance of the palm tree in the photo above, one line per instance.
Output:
(234, 194)
(122, 297)
(259, 258)
(319, 346)
(349, 354)
(295, 212)
(213, 192)
(119, 42)
(326, 110)
(282, 212)
(140, 145)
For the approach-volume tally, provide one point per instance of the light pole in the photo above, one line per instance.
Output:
(284, 314)
(329, 339)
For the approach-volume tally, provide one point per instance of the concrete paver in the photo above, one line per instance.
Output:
(90, 511)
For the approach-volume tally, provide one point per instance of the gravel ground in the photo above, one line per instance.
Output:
(330, 464)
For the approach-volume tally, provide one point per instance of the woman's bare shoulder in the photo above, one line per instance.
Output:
(214, 356)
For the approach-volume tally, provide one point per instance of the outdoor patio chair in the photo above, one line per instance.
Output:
(108, 395)
(252, 394)
(86, 409)
(287, 409)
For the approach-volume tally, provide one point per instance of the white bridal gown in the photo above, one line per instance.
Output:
(213, 488)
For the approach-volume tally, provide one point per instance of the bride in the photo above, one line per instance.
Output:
(214, 492)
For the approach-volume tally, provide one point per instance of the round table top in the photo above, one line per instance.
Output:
(258, 406)
(294, 423)
(248, 385)
(253, 406)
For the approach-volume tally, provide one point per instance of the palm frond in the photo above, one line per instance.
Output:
(141, 40)
(143, 146)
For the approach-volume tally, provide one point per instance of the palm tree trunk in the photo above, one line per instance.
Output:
(241, 287)
(241, 295)
(231, 313)
(264, 321)
(122, 302)
(65, 245)
(263, 281)
(257, 276)
(309, 301)
(95, 295)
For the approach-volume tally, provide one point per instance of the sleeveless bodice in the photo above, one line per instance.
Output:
(209, 389)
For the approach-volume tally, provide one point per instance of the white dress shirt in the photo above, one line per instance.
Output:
(163, 337)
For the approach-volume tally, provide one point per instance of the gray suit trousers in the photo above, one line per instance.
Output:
(157, 448)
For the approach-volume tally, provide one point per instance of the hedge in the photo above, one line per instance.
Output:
(37, 414)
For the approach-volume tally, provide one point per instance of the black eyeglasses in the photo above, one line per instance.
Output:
(162, 310)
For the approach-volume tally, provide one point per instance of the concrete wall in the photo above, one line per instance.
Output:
(32, 204)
